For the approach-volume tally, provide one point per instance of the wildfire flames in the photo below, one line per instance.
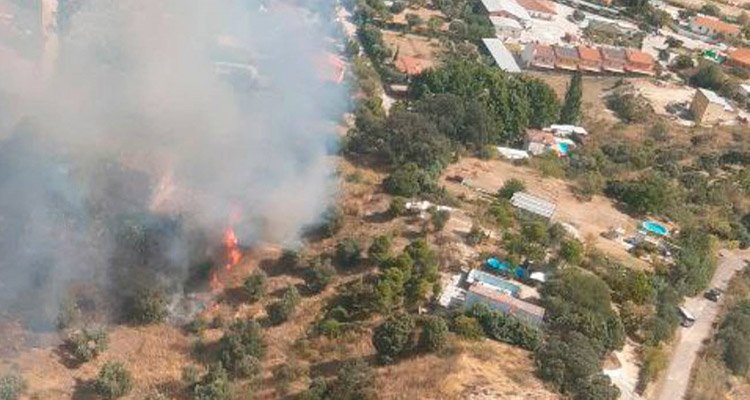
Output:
(232, 256)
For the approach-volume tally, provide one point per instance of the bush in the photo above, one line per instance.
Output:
(348, 253)
(114, 381)
(284, 375)
(572, 251)
(508, 329)
(409, 180)
(319, 274)
(467, 327)
(397, 207)
(734, 338)
(683, 62)
(214, 385)
(241, 348)
(440, 218)
(393, 337)
(380, 249)
(85, 345)
(475, 236)
(11, 387)
(434, 335)
(510, 187)
(255, 286)
(148, 306)
(355, 381)
(629, 107)
(709, 76)
(283, 309)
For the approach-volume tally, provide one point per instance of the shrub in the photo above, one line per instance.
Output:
(467, 327)
(393, 337)
(397, 207)
(214, 385)
(510, 187)
(148, 306)
(241, 348)
(348, 253)
(11, 387)
(434, 335)
(380, 249)
(572, 251)
(114, 381)
(508, 329)
(255, 286)
(85, 345)
(475, 236)
(319, 274)
(440, 218)
(283, 309)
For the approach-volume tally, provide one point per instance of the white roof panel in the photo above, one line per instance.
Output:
(502, 56)
(508, 6)
(533, 204)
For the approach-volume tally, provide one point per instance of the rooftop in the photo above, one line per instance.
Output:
(715, 98)
(533, 204)
(741, 55)
(716, 24)
(589, 53)
(502, 56)
(508, 6)
(505, 22)
(514, 303)
(639, 57)
(541, 6)
(544, 50)
(566, 52)
(613, 53)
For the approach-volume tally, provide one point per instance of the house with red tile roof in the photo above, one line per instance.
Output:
(711, 26)
(590, 59)
(541, 9)
(539, 56)
(739, 57)
(566, 58)
(639, 62)
(613, 59)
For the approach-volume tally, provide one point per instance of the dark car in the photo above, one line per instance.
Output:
(713, 295)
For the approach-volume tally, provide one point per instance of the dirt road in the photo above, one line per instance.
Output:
(691, 339)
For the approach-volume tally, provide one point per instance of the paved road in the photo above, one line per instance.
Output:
(691, 339)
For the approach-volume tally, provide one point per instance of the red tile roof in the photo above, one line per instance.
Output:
(717, 25)
(589, 53)
(639, 57)
(740, 56)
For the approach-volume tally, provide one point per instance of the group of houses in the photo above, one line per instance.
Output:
(495, 292)
(588, 59)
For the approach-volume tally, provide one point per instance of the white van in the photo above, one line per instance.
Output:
(687, 317)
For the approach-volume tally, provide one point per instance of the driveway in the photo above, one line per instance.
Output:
(691, 339)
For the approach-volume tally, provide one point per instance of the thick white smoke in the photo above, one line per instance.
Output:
(212, 110)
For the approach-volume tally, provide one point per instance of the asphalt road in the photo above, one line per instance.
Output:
(691, 339)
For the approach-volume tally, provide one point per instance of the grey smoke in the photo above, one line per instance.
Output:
(213, 111)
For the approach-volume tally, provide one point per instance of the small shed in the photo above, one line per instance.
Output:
(533, 204)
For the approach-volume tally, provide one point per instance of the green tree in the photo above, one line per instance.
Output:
(241, 347)
(87, 344)
(710, 9)
(348, 253)
(440, 218)
(393, 337)
(571, 108)
(214, 385)
(409, 180)
(397, 207)
(283, 309)
(255, 286)
(434, 334)
(510, 187)
(12, 387)
(380, 249)
(567, 361)
(114, 381)
(148, 306)
(319, 274)
(467, 327)
(709, 76)
(572, 251)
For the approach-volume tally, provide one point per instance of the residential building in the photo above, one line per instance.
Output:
(541, 142)
(739, 57)
(711, 27)
(533, 204)
(492, 282)
(613, 59)
(566, 58)
(566, 130)
(709, 108)
(508, 305)
(502, 56)
(506, 27)
(539, 56)
(639, 62)
(507, 8)
(590, 59)
(541, 9)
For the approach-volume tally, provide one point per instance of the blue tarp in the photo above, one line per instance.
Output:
(521, 273)
(494, 263)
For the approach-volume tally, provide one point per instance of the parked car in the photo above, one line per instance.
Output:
(713, 294)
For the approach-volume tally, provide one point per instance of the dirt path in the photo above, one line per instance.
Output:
(675, 383)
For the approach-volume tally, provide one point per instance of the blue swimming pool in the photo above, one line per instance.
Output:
(655, 228)
(563, 148)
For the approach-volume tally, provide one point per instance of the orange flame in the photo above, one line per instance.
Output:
(231, 244)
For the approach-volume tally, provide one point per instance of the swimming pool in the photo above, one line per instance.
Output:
(563, 148)
(655, 228)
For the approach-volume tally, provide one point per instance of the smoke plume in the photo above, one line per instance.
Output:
(181, 115)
